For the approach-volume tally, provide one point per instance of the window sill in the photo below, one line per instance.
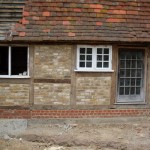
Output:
(93, 70)
(15, 77)
(131, 103)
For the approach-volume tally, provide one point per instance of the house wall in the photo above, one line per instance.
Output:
(57, 64)
(54, 82)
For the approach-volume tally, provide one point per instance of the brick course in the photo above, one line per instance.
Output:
(29, 114)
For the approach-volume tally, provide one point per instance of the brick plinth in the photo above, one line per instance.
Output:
(29, 114)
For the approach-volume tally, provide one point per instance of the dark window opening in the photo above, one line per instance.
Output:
(13, 61)
(4, 59)
(19, 61)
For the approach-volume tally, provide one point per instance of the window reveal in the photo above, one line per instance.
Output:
(13, 61)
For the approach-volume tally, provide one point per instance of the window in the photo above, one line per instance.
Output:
(14, 61)
(131, 76)
(94, 58)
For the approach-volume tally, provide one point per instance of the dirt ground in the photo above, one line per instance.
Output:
(128, 135)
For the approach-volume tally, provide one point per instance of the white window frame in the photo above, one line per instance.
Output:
(94, 68)
(9, 63)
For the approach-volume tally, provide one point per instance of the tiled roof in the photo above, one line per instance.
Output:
(84, 20)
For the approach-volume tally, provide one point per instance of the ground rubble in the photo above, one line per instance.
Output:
(80, 136)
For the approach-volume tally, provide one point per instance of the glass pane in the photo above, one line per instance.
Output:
(19, 60)
(128, 63)
(126, 90)
(99, 57)
(99, 51)
(106, 51)
(89, 50)
(88, 64)
(121, 82)
(139, 73)
(128, 56)
(122, 64)
(82, 64)
(138, 82)
(133, 72)
(133, 55)
(82, 57)
(138, 90)
(122, 72)
(82, 50)
(133, 64)
(122, 55)
(127, 82)
(106, 64)
(139, 64)
(99, 64)
(132, 82)
(89, 57)
(132, 90)
(139, 55)
(106, 57)
(127, 72)
(121, 91)
(3, 60)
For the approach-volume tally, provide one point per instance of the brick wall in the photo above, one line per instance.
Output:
(6, 113)
(52, 61)
(14, 94)
(93, 90)
(52, 93)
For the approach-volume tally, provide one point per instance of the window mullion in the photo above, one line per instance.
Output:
(9, 60)
(94, 58)
(28, 61)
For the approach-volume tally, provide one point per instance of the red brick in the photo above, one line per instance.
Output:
(46, 13)
(35, 18)
(132, 12)
(99, 23)
(77, 10)
(115, 20)
(119, 12)
(66, 23)
(71, 34)
(26, 13)
(96, 6)
(22, 34)
(97, 10)
(24, 21)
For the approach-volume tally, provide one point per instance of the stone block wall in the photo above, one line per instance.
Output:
(93, 90)
(14, 94)
(52, 93)
(52, 61)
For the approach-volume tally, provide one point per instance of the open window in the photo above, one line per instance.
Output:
(14, 61)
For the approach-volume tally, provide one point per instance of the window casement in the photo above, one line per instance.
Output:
(94, 58)
(14, 62)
